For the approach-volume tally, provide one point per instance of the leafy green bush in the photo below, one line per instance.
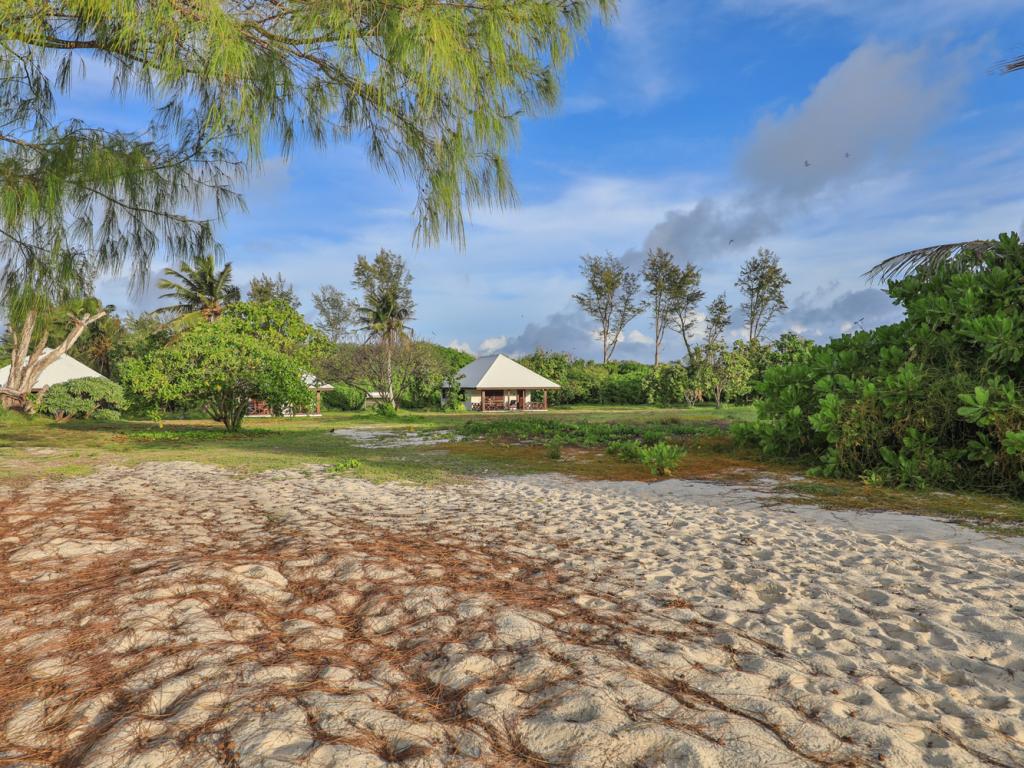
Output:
(343, 398)
(345, 465)
(554, 449)
(661, 458)
(627, 450)
(935, 400)
(86, 398)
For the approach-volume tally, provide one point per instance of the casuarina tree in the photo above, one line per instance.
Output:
(610, 298)
(762, 281)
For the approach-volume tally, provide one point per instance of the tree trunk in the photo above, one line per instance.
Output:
(26, 368)
(389, 374)
(686, 343)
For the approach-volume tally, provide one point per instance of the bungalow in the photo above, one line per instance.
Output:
(260, 408)
(65, 368)
(499, 383)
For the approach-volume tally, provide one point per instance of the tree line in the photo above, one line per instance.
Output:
(671, 293)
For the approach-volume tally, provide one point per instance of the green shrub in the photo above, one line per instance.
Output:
(935, 400)
(385, 410)
(343, 398)
(345, 465)
(660, 458)
(86, 398)
(554, 449)
(627, 450)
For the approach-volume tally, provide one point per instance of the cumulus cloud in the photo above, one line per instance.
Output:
(850, 311)
(493, 344)
(710, 227)
(461, 346)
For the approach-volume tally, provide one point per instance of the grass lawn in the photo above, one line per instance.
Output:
(499, 443)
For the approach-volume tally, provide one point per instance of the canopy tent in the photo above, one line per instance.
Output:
(64, 369)
(499, 383)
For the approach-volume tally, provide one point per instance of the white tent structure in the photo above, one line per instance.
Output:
(499, 383)
(64, 369)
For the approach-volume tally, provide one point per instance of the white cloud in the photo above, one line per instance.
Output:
(493, 344)
(638, 337)
(461, 346)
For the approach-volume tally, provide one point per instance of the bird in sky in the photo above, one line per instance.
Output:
(807, 163)
(731, 242)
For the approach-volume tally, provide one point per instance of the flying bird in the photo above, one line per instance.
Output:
(731, 242)
(847, 155)
(807, 163)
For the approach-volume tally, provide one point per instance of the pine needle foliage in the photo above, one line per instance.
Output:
(435, 90)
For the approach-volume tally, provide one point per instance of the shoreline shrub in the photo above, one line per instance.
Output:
(936, 400)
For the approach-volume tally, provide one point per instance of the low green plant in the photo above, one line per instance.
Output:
(385, 410)
(627, 450)
(661, 458)
(553, 449)
(87, 398)
(347, 464)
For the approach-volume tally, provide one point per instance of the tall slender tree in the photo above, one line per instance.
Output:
(664, 290)
(762, 281)
(337, 313)
(386, 310)
(610, 298)
(715, 356)
(719, 315)
(688, 296)
(198, 288)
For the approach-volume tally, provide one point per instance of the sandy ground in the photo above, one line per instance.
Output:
(179, 615)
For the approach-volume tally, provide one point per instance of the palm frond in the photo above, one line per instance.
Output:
(1013, 65)
(927, 259)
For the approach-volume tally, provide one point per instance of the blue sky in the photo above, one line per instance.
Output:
(686, 125)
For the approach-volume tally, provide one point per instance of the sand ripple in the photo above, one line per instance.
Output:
(175, 614)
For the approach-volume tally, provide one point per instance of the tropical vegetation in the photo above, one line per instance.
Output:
(935, 400)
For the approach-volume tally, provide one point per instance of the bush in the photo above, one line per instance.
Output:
(343, 398)
(345, 465)
(627, 450)
(661, 458)
(554, 449)
(935, 400)
(87, 398)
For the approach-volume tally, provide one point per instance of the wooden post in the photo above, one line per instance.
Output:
(318, 402)
(483, 400)
(545, 399)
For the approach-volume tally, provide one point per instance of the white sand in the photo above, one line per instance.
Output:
(175, 614)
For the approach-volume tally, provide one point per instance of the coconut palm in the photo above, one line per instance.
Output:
(1014, 65)
(199, 288)
(387, 307)
(961, 257)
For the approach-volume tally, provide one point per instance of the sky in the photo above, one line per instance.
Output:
(834, 132)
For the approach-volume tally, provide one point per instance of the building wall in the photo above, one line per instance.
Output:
(474, 396)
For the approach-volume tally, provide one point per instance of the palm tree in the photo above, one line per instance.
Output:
(199, 288)
(1014, 65)
(961, 257)
(387, 307)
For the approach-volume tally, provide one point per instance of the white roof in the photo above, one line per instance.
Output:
(501, 372)
(313, 382)
(64, 369)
